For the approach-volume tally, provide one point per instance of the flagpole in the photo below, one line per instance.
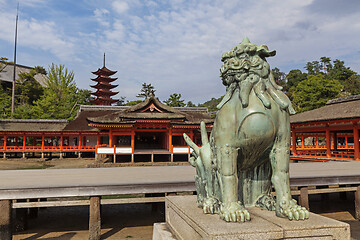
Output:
(14, 75)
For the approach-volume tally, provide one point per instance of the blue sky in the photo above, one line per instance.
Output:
(176, 45)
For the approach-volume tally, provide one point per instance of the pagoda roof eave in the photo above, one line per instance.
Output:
(99, 86)
(101, 94)
(105, 79)
(105, 71)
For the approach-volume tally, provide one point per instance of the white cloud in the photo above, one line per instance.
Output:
(120, 6)
(101, 15)
(176, 44)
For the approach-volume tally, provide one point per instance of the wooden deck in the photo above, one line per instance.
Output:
(97, 182)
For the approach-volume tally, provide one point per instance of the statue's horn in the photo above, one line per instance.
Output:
(245, 40)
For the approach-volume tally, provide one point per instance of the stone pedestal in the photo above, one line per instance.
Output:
(184, 220)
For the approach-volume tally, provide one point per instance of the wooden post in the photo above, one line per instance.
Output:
(293, 136)
(152, 157)
(170, 141)
(61, 143)
(304, 198)
(79, 147)
(357, 203)
(328, 143)
(94, 219)
(5, 219)
(302, 142)
(356, 143)
(24, 143)
(110, 139)
(132, 145)
(5, 141)
(335, 141)
(317, 141)
(42, 142)
(21, 217)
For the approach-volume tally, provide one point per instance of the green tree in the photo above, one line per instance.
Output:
(61, 96)
(190, 104)
(27, 89)
(3, 63)
(326, 64)
(352, 85)
(175, 100)
(280, 77)
(146, 91)
(121, 101)
(5, 102)
(133, 103)
(314, 92)
(60, 80)
(313, 67)
(339, 71)
(294, 77)
(212, 104)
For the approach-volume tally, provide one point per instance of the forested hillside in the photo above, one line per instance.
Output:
(311, 88)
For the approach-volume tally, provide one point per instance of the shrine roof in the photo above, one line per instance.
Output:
(32, 125)
(152, 108)
(335, 109)
(80, 123)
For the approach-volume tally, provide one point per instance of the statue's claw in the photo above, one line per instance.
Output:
(234, 212)
(211, 206)
(293, 211)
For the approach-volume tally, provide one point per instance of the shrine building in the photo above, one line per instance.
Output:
(149, 131)
(327, 133)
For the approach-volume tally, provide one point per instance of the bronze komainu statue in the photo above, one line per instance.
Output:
(248, 149)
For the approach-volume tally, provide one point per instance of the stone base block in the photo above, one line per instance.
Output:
(186, 221)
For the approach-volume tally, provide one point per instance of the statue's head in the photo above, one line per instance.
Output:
(245, 68)
(244, 59)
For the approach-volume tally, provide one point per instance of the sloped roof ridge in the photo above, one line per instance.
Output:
(156, 101)
(34, 120)
(192, 109)
(102, 108)
(343, 99)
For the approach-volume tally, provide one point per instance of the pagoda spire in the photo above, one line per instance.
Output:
(103, 87)
(104, 59)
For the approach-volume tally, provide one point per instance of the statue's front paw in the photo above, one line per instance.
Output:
(292, 211)
(211, 205)
(234, 212)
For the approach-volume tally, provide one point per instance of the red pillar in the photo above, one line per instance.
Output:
(356, 143)
(170, 141)
(302, 142)
(61, 143)
(5, 141)
(328, 143)
(79, 147)
(132, 140)
(293, 136)
(24, 142)
(110, 139)
(42, 142)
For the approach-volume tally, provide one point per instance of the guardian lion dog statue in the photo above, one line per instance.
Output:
(248, 150)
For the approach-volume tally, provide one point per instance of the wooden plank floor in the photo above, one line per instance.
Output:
(16, 184)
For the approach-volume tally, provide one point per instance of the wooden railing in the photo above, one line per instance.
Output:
(343, 154)
(9, 149)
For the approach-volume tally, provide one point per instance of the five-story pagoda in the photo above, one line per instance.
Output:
(103, 87)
